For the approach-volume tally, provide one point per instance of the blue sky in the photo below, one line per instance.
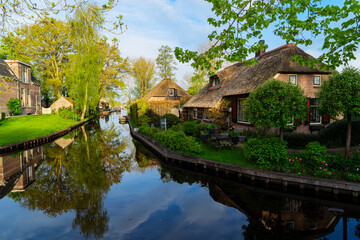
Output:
(182, 23)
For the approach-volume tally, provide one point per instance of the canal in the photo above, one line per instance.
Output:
(96, 183)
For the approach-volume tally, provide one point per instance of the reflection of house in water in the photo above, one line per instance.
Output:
(64, 142)
(288, 218)
(17, 171)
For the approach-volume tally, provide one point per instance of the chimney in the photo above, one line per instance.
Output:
(258, 53)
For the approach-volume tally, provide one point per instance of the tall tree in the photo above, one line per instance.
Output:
(238, 29)
(143, 71)
(46, 46)
(275, 104)
(166, 62)
(340, 95)
(86, 64)
(114, 72)
(14, 12)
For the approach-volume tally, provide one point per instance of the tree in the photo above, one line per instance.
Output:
(14, 12)
(87, 63)
(46, 46)
(114, 72)
(143, 71)
(340, 96)
(7, 47)
(275, 104)
(238, 29)
(166, 62)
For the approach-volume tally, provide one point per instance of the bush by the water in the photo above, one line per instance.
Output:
(189, 128)
(171, 119)
(266, 153)
(174, 140)
(68, 114)
(313, 155)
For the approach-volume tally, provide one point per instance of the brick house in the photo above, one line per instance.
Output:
(18, 82)
(235, 82)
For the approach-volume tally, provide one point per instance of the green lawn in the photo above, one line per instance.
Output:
(22, 128)
(226, 155)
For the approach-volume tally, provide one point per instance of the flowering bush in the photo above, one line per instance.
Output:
(314, 155)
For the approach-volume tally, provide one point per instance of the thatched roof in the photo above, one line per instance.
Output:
(240, 79)
(162, 89)
(5, 71)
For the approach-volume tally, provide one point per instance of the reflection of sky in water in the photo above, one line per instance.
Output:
(141, 206)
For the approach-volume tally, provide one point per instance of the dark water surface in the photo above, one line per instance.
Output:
(96, 184)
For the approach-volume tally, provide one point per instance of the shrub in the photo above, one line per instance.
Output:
(171, 119)
(299, 140)
(189, 127)
(200, 128)
(148, 131)
(177, 141)
(177, 128)
(314, 155)
(14, 106)
(68, 114)
(267, 153)
(3, 115)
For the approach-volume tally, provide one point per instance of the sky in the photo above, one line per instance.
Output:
(176, 23)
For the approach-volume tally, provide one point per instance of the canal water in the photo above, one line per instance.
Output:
(96, 183)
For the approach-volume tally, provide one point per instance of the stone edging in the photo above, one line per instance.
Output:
(319, 185)
(31, 143)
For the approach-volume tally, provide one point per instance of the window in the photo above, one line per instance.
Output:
(206, 114)
(293, 79)
(171, 92)
(28, 97)
(24, 75)
(314, 111)
(195, 113)
(215, 81)
(22, 97)
(317, 80)
(241, 110)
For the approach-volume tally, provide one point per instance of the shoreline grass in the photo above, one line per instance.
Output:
(19, 129)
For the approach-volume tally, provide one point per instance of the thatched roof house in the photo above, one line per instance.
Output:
(238, 80)
(167, 89)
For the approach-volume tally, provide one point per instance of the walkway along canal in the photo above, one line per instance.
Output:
(96, 183)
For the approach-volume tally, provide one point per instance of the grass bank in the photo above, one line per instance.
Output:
(19, 129)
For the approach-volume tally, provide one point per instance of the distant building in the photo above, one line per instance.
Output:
(16, 81)
(62, 102)
(166, 90)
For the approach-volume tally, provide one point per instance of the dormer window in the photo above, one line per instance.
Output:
(214, 81)
(171, 92)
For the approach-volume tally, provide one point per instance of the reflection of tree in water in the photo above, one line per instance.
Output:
(78, 177)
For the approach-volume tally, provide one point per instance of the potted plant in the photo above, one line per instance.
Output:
(234, 136)
(212, 128)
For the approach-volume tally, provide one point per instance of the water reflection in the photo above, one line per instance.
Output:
(78, 171)
(273, 215)
(100, 187)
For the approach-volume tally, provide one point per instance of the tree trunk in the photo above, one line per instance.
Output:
(85, 102)
(58, 93)
(348, 136)
(281, 134)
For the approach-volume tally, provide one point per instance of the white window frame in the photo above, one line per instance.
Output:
(28, 96)
(319, 80)
(241, 108)
(290, 75)
(317, 109)
(215, 81)
(171, 92)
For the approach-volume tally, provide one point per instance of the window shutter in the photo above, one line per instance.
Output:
(233, 111)
(308, 113)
